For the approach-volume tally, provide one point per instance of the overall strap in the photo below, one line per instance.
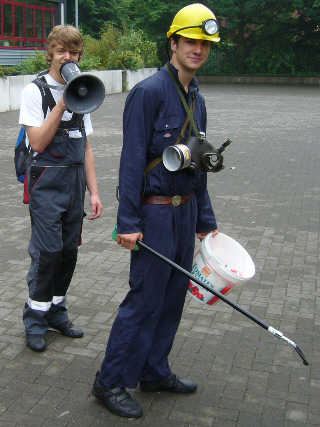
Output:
(76, 122)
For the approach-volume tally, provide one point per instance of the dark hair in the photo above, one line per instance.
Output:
(176, 38)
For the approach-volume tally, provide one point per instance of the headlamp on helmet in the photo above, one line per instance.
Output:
(195, 21)
(210, 27)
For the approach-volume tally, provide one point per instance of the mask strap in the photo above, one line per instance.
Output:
(175, 81)
(192, 108)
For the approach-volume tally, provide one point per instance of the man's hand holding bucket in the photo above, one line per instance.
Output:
(201, 236)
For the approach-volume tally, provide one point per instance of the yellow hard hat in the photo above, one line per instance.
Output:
(195, 21)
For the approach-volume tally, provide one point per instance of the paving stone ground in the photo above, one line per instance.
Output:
(267, 198)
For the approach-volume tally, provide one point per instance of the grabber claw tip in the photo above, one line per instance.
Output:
(305, 362)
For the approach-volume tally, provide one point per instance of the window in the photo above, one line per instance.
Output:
(26, 23)
(18, 22)
(38, 25)
(7, 22)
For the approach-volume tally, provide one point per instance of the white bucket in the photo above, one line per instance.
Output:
(222, 264)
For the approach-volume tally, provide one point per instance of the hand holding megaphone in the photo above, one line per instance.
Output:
(83, 93)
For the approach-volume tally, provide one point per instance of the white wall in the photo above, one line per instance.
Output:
(115, 81)
(134, 77)
(112, 80)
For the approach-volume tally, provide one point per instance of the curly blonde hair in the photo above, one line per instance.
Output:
(68, 37)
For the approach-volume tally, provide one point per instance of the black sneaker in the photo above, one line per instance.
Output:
(172, 383)
(117, 400)
(68, 329)
(36, 342)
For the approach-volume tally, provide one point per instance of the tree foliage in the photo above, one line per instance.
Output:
(94, 14)
(121, 49)
(257, 36)
(273, 36)
(270, 36)
(34, 64)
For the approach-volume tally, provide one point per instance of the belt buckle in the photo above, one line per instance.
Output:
(176, 200)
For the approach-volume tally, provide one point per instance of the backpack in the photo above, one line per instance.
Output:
(22, 153)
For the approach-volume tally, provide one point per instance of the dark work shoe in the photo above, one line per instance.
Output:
(117, 400)
(172, 383)
(69, 330)
(36, 342)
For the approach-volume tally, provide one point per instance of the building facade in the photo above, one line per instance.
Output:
(25, 25)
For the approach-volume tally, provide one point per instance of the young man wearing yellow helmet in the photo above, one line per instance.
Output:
(164, 209)
(190, 44)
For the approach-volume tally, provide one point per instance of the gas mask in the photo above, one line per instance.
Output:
(196, 154)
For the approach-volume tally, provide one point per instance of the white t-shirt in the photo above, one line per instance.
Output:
(31, 113)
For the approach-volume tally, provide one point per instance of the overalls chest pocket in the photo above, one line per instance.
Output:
(76, 146)
(166, 132)
(59, 144)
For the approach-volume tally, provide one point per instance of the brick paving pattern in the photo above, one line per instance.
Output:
(267, 198)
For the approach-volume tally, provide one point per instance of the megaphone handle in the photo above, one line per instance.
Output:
(43, 84)
(60, 88)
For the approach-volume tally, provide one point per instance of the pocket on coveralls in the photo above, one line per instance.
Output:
(167, 129)
(35, 175)
(59, 145)
(167, 124)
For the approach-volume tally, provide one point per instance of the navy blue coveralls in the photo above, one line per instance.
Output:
(56, 185)
(144, 329)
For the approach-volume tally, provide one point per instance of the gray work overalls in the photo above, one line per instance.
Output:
(56, 186)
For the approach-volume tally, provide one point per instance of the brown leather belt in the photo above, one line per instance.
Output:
(166, 200)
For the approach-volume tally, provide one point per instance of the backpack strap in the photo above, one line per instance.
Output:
(47, 101)
(47, 97)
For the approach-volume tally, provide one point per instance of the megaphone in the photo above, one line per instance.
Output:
(83, 93)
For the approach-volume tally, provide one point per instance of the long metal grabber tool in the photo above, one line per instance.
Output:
(233, 304)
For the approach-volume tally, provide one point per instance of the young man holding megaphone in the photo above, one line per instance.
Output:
(60, 166)
(165, 210)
